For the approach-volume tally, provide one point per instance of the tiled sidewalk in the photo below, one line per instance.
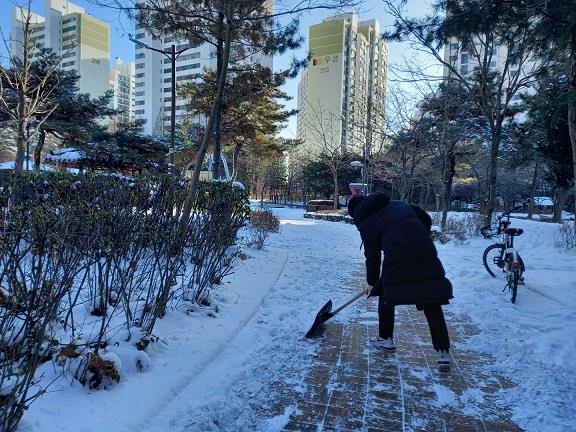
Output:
(355, 387)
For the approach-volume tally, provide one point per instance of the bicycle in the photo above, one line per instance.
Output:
(502, 257)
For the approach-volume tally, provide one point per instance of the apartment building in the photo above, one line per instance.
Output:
(122, 84)
(67, 30)
(344, 87)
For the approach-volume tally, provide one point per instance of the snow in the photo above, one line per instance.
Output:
(11, 165)
(207, 366)
(544, 201)
(68, 154)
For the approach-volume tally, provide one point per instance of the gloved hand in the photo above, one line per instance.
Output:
(368, 290)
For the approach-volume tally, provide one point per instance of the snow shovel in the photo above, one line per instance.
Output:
(326, 313)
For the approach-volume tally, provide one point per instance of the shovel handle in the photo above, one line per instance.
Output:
(352, 300)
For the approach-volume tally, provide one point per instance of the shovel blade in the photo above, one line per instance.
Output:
(323, 315)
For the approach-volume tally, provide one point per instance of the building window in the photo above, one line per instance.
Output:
(167, 89)
(140, 75)
(167, 80)
(186, 77)
(169, 39)
(68, 64)
(464, 69)
(67, 29)
(68, 20)
(139, 84)
(169, 70)
(464, 58)
(188, 67)
(454, 46)
(453, 58)
(187, 57)
(140, 102)
(493, 64)
(140, 65)
(139, 36)
(67, 38)
(139, 93)
(139, 112)
(140, 55)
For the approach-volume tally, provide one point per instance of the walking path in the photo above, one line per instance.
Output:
(354, 387)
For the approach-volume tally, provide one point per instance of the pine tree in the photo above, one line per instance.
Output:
(555, 38)
(549, 129)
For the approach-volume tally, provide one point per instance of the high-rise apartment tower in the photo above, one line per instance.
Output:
(344, 87)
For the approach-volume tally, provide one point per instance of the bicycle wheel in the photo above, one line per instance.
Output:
(493, 259)
(513, 285)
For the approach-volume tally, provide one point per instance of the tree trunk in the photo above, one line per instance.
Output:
(572, 113)
(449, 172)
(235, 159)
(39, 148)
(218, 120)
(559, 203)
(193, 186)
(336, 191)
(20, 138)
(493, 174)
(533, 191)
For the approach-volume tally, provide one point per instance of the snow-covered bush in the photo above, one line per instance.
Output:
(565, 237)
(86, 258)
(219, 212)
(37, 271)
(262, 224)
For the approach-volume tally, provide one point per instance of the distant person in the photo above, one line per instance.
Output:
(411, 273)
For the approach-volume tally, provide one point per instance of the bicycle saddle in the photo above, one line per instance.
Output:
(514, 231)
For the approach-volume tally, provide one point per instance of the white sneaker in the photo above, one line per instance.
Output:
(444, 361)
(386, 345)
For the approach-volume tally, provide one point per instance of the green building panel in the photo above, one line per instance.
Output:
(94, 33)
(327, 38)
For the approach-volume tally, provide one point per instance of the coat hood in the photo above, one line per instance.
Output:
(360, 208)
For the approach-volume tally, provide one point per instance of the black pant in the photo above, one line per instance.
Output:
(434, 316)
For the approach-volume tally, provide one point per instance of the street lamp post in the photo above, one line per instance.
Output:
(172, 54)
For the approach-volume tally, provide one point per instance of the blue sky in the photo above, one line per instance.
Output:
(121, 47)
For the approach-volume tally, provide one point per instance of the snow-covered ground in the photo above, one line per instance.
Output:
(209, 365)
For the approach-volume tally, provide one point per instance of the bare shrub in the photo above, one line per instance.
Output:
(473, 222)
(218, 213)
(91, 257)
(262, 224)
(565, 237)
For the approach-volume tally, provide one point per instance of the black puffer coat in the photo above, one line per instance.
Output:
(411, 271)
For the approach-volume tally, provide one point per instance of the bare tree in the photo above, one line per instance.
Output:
(324, 138)
(24, 97)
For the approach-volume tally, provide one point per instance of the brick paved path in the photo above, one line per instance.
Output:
(355, 387)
